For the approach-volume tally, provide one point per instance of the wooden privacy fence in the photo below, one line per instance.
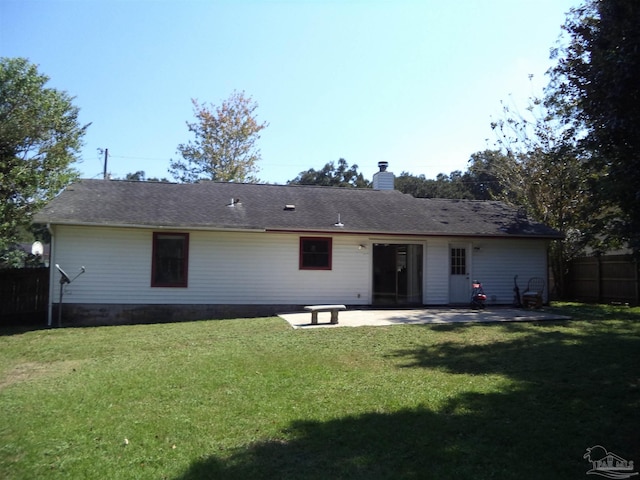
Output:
(604, 279)
(24, 294)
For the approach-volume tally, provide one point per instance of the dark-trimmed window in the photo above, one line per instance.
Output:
(170, 259)
(458, 261)
(315, 253)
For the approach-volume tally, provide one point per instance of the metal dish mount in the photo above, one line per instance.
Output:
(64, 280)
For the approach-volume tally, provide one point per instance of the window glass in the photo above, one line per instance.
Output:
(315, 253)
(458, 261)
(170, 259)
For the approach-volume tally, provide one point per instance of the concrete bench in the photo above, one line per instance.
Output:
(334, 309)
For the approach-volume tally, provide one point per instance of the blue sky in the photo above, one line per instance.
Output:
(414, 83)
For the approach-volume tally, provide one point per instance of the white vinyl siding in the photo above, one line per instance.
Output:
(496, 262)
(224, 268)
(436, 288)
(243, 268)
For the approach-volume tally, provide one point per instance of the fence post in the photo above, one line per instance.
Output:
(599, 277)
(636, 280)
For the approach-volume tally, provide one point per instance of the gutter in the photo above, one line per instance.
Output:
(51, 282)
(320, 231)
(340, 231)
(160, 227)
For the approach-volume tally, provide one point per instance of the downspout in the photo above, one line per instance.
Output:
(51, 282)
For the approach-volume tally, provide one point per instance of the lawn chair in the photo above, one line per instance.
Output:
(532, 296)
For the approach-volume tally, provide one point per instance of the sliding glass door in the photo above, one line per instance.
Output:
(397, 274)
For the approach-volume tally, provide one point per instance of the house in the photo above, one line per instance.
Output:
(163, 251)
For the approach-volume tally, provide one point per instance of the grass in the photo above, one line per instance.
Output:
(252, 398)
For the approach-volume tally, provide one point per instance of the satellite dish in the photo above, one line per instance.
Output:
(64, 277)
(37, 249)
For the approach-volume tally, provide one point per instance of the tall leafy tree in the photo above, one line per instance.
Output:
(140, 176)
(415, 185)
(453, 185)
(596, 85)
(40, 138)
(331, 175)
(224, 148)
(491, 176)
(545, 171)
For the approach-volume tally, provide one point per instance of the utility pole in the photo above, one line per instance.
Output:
(106, 156)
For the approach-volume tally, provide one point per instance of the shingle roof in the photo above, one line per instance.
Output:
(206, 205)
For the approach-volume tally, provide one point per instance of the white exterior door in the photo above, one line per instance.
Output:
(459, 282)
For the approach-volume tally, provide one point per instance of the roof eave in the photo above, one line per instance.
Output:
(154, 226)
(340, 230)
(318, 231)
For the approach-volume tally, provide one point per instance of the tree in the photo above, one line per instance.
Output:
(331, 176)
(414, 185)
(545, 171)
(595, 85)
(40, 137)
(140, 176)
(452, 186)
(490, 175)
(224, 148)
(444, 186)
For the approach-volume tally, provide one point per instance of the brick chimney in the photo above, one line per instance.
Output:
(383, 180)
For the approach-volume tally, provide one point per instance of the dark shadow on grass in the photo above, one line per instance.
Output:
(416, 443)
(563, 392)
(585, 311)
(589, 379)
(8, 330)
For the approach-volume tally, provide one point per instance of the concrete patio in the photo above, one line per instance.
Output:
(359, 318)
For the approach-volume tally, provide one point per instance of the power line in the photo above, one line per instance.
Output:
(139, 158)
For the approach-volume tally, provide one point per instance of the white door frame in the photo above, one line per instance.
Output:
(459, 272)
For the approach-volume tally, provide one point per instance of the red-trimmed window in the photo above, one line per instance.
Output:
(170, 261)
(315, 253)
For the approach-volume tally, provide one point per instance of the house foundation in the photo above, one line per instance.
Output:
(84, 315)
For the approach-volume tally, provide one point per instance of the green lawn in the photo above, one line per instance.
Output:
(253, 398)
